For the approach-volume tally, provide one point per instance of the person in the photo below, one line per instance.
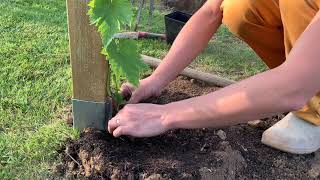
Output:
(284, 33)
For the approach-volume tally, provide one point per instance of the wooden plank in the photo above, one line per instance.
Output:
(89, 67)
(211, 79)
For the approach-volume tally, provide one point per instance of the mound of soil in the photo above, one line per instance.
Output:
(230, 153)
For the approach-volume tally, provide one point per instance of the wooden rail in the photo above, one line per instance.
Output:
(206, 77)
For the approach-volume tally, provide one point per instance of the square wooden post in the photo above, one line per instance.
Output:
(91, 105)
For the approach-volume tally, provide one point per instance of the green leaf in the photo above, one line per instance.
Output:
(119, 99)
(109, 16)
(125, 60)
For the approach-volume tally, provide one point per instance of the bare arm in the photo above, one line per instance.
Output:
(192, 39)
(282, 89)
(190, 42)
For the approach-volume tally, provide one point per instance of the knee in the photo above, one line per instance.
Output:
(299, 6)
(238, 14)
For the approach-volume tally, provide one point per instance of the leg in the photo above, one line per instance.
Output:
(301, 11)
(296, 16)
(271, 28)
(258, 23)
(293, 134)
(311, 111)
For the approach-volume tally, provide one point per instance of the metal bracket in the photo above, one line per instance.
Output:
(91, 114)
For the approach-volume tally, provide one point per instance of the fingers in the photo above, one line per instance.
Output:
(126, 90)
(120, 131)
(116, 129)
(112, 125)
(136, 97)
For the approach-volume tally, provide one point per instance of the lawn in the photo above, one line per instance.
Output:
(35, 80)
(226, 55)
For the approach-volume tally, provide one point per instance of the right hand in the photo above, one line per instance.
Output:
(147, 88)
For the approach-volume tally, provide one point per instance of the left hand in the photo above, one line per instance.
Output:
(139, 120)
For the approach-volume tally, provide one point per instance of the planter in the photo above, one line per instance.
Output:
(174, 22)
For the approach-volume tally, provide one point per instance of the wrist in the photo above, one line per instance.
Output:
(160, 81)
(174, 114)
(185, 114)
(167, 120)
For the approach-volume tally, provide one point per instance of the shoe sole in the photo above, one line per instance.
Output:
(281, 147)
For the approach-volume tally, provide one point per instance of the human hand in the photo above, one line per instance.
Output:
(147, 88)
(139, 120)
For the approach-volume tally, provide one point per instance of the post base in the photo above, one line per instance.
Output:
(91, 114)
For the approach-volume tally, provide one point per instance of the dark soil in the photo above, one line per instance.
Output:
(230, 153)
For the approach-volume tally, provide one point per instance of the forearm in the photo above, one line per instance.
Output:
(282, 89)
(257, 97)
(192, 39)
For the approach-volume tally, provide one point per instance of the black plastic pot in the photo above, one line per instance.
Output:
(174, 23)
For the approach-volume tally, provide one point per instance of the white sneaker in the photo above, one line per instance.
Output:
(294, 135)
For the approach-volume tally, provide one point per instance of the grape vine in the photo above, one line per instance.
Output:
(110, 17)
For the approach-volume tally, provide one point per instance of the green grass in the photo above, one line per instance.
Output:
(226, 55)
(35, 85)
(35, 80)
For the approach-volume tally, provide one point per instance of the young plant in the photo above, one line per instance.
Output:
(111, 17)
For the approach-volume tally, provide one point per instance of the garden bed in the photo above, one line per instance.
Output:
(229, 153)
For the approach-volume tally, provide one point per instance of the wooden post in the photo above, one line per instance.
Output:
(91, 105)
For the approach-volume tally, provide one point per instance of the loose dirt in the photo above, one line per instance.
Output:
(229, 153)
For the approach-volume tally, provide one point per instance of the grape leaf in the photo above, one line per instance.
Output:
(125, 61)
(109, 16)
